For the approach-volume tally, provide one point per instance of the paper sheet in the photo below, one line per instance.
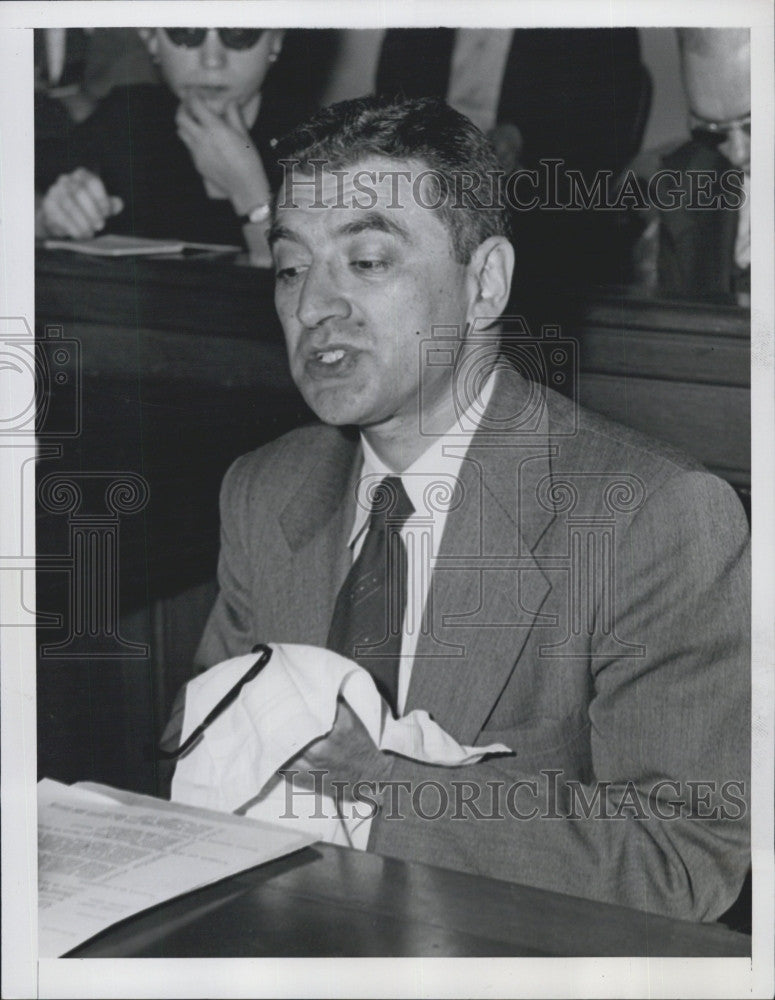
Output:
(116, 245)
(292, 702)
(103, 856)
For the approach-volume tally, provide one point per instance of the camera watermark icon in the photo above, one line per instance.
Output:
(40, 404)
(514, 481)
(41, 380)
(492, 347)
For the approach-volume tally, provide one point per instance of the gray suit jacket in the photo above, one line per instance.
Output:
(589, 608)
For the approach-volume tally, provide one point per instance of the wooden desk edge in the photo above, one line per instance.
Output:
(443, 897)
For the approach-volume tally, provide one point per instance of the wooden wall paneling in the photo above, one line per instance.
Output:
(678, 372)
(710, 422)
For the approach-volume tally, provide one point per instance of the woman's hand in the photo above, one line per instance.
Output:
(76, 205)
(223, 153)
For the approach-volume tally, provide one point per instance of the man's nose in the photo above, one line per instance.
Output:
(737, 148)
(212, 53)
(320, 299)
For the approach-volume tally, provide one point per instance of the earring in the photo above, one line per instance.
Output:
(273, 56)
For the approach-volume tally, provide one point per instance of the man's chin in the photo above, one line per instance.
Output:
(337, 416)
(336, 411)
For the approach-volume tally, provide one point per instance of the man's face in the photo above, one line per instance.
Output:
(212, 72)
(358, 289)
(718, 89)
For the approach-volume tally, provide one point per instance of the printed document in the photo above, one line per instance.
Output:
(106, 854)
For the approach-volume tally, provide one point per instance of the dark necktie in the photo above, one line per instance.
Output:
(367, 625)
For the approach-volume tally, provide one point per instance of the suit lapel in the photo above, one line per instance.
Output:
(487, 589)
(316, 524)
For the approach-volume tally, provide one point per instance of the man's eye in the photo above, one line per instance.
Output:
(288, 273)
(369, 264)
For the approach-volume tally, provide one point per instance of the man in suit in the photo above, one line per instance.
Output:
(705, 245)
(563, 585)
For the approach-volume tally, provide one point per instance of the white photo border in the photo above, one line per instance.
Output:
(23, 975)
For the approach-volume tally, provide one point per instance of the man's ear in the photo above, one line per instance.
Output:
(489, 278)
(151, 41)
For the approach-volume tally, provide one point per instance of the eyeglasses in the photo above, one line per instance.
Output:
(230, 696)
(714, 133)
(231, 38)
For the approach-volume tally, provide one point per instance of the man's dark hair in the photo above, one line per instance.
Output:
(424, 129)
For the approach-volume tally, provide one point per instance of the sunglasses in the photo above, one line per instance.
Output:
(231, 38)
(713, 133)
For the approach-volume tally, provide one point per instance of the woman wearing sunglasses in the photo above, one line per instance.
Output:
(191, 160)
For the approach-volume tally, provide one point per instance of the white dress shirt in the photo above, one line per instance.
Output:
(429, 483)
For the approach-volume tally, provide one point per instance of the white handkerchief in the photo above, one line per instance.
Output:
(291, 703)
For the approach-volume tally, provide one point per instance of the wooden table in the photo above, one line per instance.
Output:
(331, 901)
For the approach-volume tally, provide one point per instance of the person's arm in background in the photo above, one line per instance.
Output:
(354, 69)
(226, 158)
(76, 205)
(72, 199)
(80, 201)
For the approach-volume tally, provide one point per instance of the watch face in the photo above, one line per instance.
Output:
(258, 214)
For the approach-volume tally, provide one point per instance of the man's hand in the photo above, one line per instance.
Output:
(223, 153)
(76, 205)
(346, 754)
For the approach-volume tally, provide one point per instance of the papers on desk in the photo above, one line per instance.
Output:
(291, 703)
(105, 854)
(134, 246)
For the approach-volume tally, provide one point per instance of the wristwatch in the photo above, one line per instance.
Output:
(259, 213)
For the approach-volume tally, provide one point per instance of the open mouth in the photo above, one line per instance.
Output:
(330, 357)
(329, 362)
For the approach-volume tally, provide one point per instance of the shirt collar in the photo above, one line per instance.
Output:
(437, 458)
